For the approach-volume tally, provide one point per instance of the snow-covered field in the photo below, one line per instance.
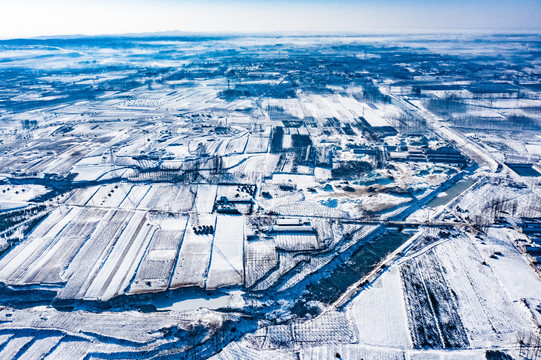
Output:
(77, 334)
(18, 196)
(261, 257)
(483, 302)
(156, 268)
(226, 267)
(380, 314)
(194, 257)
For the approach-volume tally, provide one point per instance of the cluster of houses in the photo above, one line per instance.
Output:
(531, 227)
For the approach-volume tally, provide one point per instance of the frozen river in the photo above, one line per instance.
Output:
(192, 300)
(451, 193)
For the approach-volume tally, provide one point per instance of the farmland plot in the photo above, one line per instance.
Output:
(509, 266)
(279, 337)
(49, 266)
(182, 199)
(83, 268)
(287, 142)
(454, 355)
(260, 258)
(210, 147)
(443, 302)
(379, 313)
(204, 200)
(98, 172)
(15, 264)
(233, 161)
(236, 350)
(427, 276)
(82, 196)
(324, 231)
(128, 326)
(237, 146)
(14, 345)
(223, 149)
(286, 262)
(117, 270)
(4, 338)
(479, 294)
(270, 163)
(167, 197)
(226, 267)
(156, 268)
(422, 323)
(110, 195)
(50, 225)
(287, 162)
(64, 163)
(257, 144)
(331, 327)
(135, 196)
(40, 347)
(194, 256)
(69, 350)
(310, 266)
(296, 241)
(350, 351)
(308, 209)
(251, 168)
(148, 199)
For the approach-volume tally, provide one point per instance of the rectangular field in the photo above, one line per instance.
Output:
(432, 310)
(257, 144)
(260, 258)
(380, 314)
(84, 267)
(423, 326)
(226, 267)
(49, 268)
(156, 268)
(15, 265)
(194, 257)
(117, 270)
(204, 200)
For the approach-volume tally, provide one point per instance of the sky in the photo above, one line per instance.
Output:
(29, 18)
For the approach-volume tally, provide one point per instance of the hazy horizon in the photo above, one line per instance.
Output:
(60, 17)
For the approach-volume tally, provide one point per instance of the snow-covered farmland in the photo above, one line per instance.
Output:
(226, 267)
(296, 241)
(204, 200)
(380, 314)
(17, 196)
(257, 144)
(194, 257)
(156, 268)
(260, 258)
(330, 197)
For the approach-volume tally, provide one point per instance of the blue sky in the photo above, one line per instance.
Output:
(24, 18)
